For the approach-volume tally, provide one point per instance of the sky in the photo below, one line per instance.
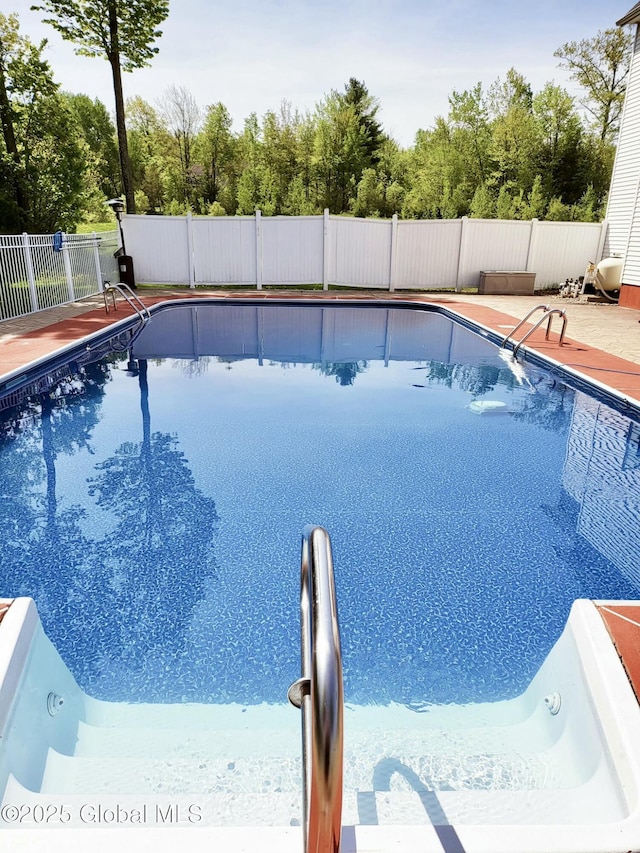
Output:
(411, 54)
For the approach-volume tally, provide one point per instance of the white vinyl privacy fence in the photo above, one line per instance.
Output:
(373, 253)
(38, 271)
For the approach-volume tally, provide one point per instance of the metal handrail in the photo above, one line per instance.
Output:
(544, 308)
(320, 695)
(132, 298)
(548, 315)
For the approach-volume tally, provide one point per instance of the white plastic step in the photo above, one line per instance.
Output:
(170, 775)
(187, 742)
(122, 810)
(189, 715)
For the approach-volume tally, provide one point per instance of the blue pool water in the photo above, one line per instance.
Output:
(155, 513)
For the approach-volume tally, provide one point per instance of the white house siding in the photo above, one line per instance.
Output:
(631, 272)
(623, 211)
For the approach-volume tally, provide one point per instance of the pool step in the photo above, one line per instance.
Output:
(195, 766)
(189, 715)
(360, 808)
(172, 776)
(95, 808)
(442, 808)
(184, 742)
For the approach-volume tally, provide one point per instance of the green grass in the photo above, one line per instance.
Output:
(89, 227)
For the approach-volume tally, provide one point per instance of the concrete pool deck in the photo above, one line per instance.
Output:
(602, 342)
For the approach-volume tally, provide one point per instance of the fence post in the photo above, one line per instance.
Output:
(190, 250)
(463, 229)
(67, 268)
(31, 279)
(96, 258)
(325, 249)
(533, 239)
(258, 251)
(604, 225)
(392, 254)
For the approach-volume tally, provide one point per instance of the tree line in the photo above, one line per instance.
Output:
(501, 151)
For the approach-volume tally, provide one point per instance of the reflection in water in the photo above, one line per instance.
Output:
(164, 532)
(460, 539)
(344, 372)
(119, 602)
(602, 475)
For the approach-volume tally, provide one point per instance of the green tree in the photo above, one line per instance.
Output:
(249, 145)
(504, 203)
(514, 147)
(341, 152)
(216, 147)
(370, 195)
(181, 116)
(149, 145)
(437, 177)
(13, 194)
(280, 151)
(99, 133)
(558, 211)
(513, 92)
(483, 205)
(600, 65)
(469, 117)
(305, 144)
(122, 31)
(537, 200)
(43, 159)
(561, 162)
(366, 107)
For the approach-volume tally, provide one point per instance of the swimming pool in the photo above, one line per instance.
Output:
(154, 503)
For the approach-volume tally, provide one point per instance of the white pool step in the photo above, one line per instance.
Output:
(172, 776)
(98, 808)
(189, 715)
(184, 742)
(360, 808)
(241, 765)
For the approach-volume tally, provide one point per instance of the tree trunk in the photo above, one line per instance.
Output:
(123, 147)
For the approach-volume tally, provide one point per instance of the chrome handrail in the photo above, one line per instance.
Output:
(548, 315)
(132, 298)
(320, 695)
(544, 308)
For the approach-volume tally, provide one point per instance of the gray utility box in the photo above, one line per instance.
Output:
(504, 282)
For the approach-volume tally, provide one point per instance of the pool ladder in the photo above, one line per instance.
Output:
(319, 693)
(547, 315)
(134, 301)
(111, 290)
